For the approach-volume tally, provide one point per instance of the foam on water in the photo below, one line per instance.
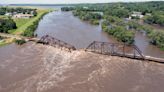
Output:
(39, 68)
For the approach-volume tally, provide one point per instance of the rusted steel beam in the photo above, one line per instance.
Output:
(114, 49)
(54, 42)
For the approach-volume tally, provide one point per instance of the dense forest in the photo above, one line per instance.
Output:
(117, 22)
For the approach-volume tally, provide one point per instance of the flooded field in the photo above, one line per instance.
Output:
(38, 68)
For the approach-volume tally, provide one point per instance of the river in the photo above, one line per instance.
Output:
(38, 68)
(66, 27)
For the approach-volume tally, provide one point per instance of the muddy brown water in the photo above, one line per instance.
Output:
(38, 68)
(66, 27)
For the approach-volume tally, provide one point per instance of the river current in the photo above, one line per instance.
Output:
(66, 27)
(38, 68)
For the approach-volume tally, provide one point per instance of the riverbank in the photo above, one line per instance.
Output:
(23, 24)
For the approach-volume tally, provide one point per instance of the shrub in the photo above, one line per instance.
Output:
(120, 33)
(20, 42)
(94, 22)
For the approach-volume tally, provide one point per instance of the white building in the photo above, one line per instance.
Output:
(85, 7)
(8, 14)
(148, 14)
(26, 16)
(137, 14)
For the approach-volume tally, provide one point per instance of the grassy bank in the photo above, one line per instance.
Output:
(23, 24)
(25, 27)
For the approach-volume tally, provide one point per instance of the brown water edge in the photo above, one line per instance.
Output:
(66, 27)
(38, 68)
(156, 27)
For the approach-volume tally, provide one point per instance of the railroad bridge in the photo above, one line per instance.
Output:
(106, 48)
(116, 49)
(122, 50)
(48, 40)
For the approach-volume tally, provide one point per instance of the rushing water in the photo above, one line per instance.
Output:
(38, 68)
(66, 27)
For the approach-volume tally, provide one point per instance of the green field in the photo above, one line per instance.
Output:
(23, 24)
(3, 17)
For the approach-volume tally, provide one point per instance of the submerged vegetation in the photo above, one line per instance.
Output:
(20, 42)
(155, 18)
(67, 8)
(157, 38)
(115, 27)
(122, 20)
(92, 17)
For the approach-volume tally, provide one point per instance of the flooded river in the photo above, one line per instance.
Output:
(66, 27)
(37, 68)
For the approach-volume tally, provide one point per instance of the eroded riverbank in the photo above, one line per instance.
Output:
(38, 68)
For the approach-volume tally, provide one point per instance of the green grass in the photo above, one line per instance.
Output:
(3, 44)
(3, 17)
(23, 24)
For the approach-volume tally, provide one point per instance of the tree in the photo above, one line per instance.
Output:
(7, 24)
(2, 11)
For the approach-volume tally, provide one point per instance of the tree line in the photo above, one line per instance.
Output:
(4, 10)
(114, 22)
(156, 18)
(29, 32)
(6, 25)
(92, 17)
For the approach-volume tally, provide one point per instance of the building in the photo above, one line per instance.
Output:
(137, 15)
(148, 14)
(8, 14)
(85, 8)
(26, 16)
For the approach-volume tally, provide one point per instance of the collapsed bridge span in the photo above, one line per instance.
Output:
(48, 40)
